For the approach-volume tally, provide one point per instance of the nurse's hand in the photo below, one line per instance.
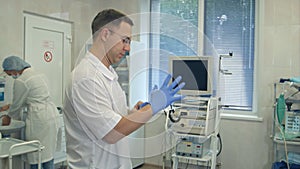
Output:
(4, 108)
(6, 120)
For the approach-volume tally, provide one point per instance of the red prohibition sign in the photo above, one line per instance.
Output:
(48, 56)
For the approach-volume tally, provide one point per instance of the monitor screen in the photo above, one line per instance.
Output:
(195, 72)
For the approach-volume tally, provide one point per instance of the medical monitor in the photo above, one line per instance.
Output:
(196, 72)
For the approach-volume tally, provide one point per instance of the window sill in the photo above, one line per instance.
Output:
(242, 117)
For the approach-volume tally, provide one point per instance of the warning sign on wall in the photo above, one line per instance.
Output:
(48, 56)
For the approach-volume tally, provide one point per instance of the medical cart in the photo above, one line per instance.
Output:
(195, 133)
(10, 147)
(286, 136)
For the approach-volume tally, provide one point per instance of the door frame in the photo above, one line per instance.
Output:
(66, 65)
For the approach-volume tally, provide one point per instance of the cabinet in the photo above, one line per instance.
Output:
(195, 134)
(286, 121)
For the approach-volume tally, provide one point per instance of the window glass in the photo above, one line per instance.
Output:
(228, 26)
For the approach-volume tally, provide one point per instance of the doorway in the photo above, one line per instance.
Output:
(47, 47)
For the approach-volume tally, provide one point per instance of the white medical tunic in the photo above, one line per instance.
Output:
(31, 91)
(94, 104)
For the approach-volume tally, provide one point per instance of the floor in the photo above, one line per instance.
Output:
(149, 166)
(183, 166)
(146, 166)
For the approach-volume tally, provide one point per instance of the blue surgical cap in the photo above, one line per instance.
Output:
(14, 63)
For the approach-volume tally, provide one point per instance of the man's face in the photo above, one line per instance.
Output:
(119, 42)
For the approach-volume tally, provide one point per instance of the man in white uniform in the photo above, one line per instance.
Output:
(95, 111)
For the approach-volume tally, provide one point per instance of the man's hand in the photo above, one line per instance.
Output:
(166, 94)
(142, 106)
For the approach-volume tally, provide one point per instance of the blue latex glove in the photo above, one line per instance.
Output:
(295, 79)
(165, 96)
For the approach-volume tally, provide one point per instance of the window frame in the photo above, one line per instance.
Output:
(252, 115)
(239, 114)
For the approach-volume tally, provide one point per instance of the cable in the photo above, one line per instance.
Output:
(208, 164)
(292, 94)
(285, 148)
(169, 135)
(172, 116)
(285, 144)
(221, 144)
(187, 165)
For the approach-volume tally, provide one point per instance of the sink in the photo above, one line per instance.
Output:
(13, 127)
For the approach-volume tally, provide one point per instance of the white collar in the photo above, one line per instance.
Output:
(110, 73)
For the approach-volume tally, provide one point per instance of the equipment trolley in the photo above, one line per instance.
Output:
(195, 133)
(286, 121)
(10, 147)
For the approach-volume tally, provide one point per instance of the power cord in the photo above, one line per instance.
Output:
(221, 144)
(284, 141)
(285, 147)
(172, 116)
(187, 165)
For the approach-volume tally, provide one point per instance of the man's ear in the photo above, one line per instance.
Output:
(104, 34)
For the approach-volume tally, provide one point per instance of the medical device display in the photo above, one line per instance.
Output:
(196, 72)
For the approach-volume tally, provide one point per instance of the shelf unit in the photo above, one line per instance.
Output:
(292, 103)
(195, 134)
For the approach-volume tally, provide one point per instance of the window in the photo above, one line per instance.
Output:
(227, 26)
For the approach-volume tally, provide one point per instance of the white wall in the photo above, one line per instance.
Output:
(79, 12)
